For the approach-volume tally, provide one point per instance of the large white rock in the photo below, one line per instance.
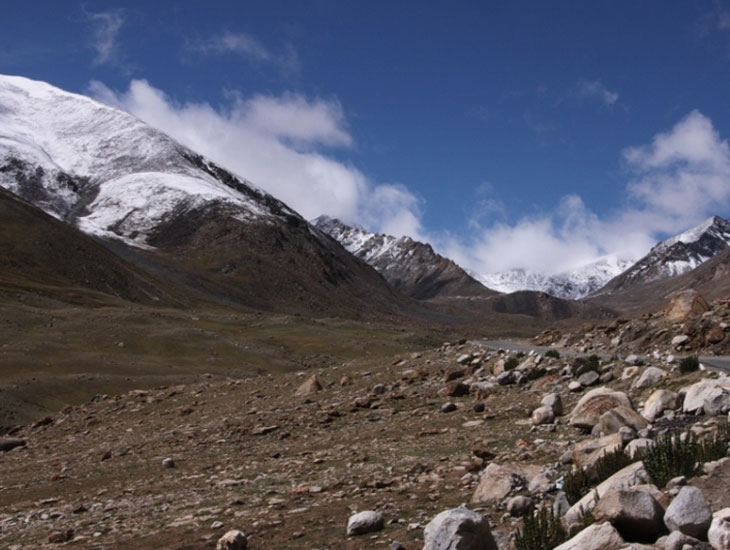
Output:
(658, 402)
(364, 522)
(709, 396)
(719, 533)
(689, 513)
(648, 378)
(458, 529)
(599, 536)
(635, 513)
(232, 540)
(498, 480)
(593, 404)
(634, 474)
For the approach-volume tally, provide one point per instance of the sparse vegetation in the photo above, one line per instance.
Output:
(552, 353)
(578, 482)
(511, 363)
(672, 456)
(689, 364)
(541, 531)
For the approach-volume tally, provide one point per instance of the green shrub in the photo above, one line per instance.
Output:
(537, 372)
(511, 363)
(582, 365)
(552, 353)
(541, 531)
(715, 447)
(671, 457)
(578, 482)
(520, 354)
(689, 364)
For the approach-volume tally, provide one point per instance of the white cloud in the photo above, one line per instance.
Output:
(105, 28)
(594, 90)
(251, 49)
(273, 141)
(679, 179)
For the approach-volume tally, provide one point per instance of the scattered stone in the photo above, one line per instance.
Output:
(574, 386)
(689, 513)
(395, 545)
(478, 407)
(685, 304)
(592, 405)
(10, 444)
(216, 525)
(553, 401)
(634, 474)
(519, 506)
(589, 378)
(679, 340)
(456, 389)
(648, 378)
(561, 505)
(498, 480)
(658, 402)
(365, 522)
(676, 540)
(632, 359)
(58, 537)
(379, 389)
(543, 415)
(599, 536)
(232, 540)
(629, 372)
(263, 430)
(464, 359)
(638, 446)
(310, 386)
(458, 529)
(613, 420)
(719, 532)
(448, 407)
(635, 514)
(708, 396)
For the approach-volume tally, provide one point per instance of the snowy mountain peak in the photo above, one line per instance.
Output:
(105, 170)
(410, 266)
(677, 255)
(574, 284)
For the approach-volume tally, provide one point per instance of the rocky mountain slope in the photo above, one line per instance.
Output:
(675, 256)
(409, 266)
(171, 211)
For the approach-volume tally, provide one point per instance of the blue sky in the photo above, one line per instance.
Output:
(508, 134)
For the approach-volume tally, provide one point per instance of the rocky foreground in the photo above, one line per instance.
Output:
(455, 447)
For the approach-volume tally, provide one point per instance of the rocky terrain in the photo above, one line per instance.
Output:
(293, 459)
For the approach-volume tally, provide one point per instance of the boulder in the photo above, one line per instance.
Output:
(310, 386)
(649, 377)
(589, 378)
(232, 540)
(599, 536)
(456, 389)
(364, 522)
(708, 396)
(638, 446)
(586, 453)
(634, 474)
(685, 304)
(519, 506)
(458, 529)
(676, 540)
(498, 480)
(543, 415)
(689, 513)
(658, 402)
(553, 401)
(719, 533)
(593, 404)
(618, 417)
(635, 514)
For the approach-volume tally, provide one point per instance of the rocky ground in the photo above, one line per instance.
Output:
(288, 458)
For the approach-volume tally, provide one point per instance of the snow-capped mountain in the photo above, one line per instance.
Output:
(103, 169)
(171, 211)
(676, 255)
(572, 285)
(409, 266)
